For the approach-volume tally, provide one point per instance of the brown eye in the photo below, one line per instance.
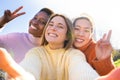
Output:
(50, 24)
(87, 30)
(76, 28)
(60, 26)
(42, 22)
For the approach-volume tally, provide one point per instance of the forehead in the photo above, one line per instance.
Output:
(58, 19)
(42, 15)
(83, 23)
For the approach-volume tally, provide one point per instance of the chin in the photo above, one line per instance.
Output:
(77, 45)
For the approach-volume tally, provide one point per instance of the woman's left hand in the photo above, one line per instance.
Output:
(104, 47)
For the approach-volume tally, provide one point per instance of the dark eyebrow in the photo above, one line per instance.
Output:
(60, 24)
(40, 18)
(51, 22)
(87, 27)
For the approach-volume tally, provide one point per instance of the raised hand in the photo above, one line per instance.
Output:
(104, 47)
(8, 16)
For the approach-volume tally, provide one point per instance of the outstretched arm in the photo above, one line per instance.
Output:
(113, 75)
(12, 68)
(8, 16)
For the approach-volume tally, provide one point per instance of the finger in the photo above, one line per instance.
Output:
(105, 43)
(18, 9)
(99, 42)
(22, 13)
(109, 35)
(7, 13)
(104, 37)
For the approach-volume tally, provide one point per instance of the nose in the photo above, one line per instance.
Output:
(35, 21)
(54, 27)
(81, 33)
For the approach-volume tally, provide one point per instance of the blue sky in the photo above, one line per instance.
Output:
(105, 14)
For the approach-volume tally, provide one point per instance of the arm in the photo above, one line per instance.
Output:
(8, 16)
(113, 75)
(103, 67)
(103, 62)
(12, 68)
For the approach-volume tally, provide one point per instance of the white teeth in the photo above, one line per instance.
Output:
(53, 35)
(33, 27)
(79, 40)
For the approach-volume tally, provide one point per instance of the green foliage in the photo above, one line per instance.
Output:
(117, 63)
(116, 55)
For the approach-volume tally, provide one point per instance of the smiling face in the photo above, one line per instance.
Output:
(37, 24)
(83, 32)
(56, 31)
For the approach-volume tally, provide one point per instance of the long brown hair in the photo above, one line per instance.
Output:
(70, 35)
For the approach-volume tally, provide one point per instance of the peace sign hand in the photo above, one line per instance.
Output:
(104, 47)
(8, 15)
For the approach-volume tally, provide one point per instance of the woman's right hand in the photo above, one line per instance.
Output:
(5, 59)
(8, 16)
(15, 72)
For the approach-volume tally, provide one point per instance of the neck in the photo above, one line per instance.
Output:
(55, 46)
(35, 40)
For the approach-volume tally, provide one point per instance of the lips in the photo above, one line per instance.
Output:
(52, 34)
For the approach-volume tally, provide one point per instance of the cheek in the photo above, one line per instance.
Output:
(64, 35)
(76, 32)
(41, 28)
(46, 31)
(88, 37)
(62, 31)
(46, 36)
(30, 22)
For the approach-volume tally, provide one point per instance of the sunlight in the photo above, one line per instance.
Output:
(104, 13)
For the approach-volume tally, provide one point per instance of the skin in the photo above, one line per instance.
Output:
(56, 28)
(36, 24)
(104, 47)
(113, 75)
(83, 34)
(8, 16)
(56, 32)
